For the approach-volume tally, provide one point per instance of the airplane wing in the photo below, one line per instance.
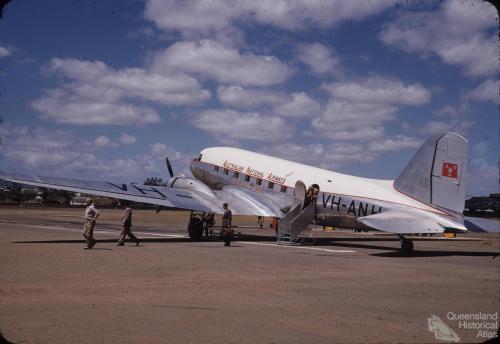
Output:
(399, 222)
(181, 192)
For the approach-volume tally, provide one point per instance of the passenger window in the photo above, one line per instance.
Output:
(270, 185)
(283, 188)
(247, 178)
(216, 168)
(258, 181)
(226, 171)
(236, 175)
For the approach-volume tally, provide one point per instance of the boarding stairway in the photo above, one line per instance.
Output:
(295, 222)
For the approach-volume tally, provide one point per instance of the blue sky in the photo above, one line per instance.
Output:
(104, 90)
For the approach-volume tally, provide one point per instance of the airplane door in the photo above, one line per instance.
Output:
(300, 193)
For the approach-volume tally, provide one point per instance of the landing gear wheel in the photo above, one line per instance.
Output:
(406, 245)
(195, 228)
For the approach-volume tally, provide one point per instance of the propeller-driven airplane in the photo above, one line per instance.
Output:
(427, 197)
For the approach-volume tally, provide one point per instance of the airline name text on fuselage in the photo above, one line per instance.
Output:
(233, 166)
(254, 172)
(276, 179)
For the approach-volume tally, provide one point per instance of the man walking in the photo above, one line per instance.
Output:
(227, 231)
(91, 215)
(126, 227)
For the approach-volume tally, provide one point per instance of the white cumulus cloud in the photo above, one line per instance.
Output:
(229, 125)
(321, 59)
(62, 106)
(459, 33)
(298, 105)
(102, 141)
(359, 109)
(244, 97)
(295, 105)
(487, 91)
(219, 62)
(437, 127)
(39, 150)
(97, 94)
(394, 144)
(346, 120)
(379, 90)
(4, 51)
(127, 139)
(201, 17)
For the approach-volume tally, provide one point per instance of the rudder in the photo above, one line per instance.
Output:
(436, 174)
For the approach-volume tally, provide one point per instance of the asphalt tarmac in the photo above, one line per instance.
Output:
(350, 288)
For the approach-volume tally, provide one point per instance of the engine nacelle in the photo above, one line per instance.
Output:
(180, 181)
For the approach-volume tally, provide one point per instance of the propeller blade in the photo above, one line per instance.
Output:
(169, 167)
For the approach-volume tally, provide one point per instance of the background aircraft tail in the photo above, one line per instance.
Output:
(436, 174)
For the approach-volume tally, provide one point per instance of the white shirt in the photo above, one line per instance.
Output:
(91, 212)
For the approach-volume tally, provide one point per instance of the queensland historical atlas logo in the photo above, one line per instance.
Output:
(441, 330)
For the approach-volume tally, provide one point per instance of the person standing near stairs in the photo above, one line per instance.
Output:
(227, 231)
(311, 195)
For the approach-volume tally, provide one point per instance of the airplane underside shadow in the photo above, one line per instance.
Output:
(82, 241)
(146, 240)
(356, 242)
(421, 253)
(396, 251)
(349, 242)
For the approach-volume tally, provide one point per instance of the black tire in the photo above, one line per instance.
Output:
(406, 246)
(195, 228)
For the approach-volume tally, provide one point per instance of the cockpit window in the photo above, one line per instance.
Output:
(199, 157)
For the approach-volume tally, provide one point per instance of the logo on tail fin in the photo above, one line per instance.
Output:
(450, 170)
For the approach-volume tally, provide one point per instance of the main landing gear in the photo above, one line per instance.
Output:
(406, 245)
(195, 225)
(200, 222)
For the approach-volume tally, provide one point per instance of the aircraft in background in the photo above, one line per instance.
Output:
(427, 197)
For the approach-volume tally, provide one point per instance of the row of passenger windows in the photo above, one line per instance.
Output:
(258, 181)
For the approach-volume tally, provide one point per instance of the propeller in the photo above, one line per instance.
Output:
(169, 167)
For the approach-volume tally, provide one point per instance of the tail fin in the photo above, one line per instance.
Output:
(436, 174)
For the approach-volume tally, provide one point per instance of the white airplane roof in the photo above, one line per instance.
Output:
(329, 181)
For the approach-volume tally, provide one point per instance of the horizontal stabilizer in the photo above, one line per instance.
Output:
(409, 223)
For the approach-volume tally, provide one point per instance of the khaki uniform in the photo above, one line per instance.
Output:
(126, 227)
(88, 232)
(91, 214)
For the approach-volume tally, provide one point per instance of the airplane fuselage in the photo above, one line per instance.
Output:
(341, 200)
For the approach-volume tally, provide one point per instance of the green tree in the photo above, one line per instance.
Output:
(154, 181)
(15, 193)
